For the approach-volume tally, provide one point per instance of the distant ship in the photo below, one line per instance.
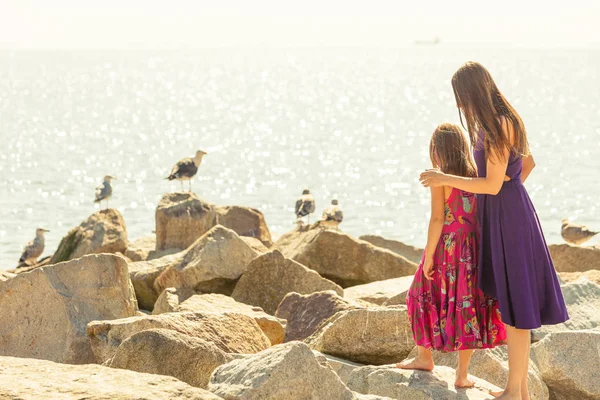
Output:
(432, 42)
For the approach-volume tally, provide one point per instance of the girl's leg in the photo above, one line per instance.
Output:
(423, 360)
(462, 371)
(518, 354)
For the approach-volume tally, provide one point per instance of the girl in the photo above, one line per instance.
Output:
(446, 309)
(514, 263)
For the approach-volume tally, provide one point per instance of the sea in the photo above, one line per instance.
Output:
(346, 123)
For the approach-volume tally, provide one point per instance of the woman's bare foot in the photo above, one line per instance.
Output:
(499, 393)
(416, 363)
(464, 382)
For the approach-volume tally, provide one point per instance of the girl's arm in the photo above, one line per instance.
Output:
(490, 184)
(436, 223)
(528, 165)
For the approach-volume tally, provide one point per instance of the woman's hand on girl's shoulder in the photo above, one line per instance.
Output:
(432, 178)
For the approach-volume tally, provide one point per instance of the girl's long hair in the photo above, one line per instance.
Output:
(483, 106)
(449, 150)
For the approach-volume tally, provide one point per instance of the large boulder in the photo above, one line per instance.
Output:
(185, 300)
(213, 263)
(416, 385)
(271, 276)
(26, 378)
(491, 365)
(245, 221)
(255, 244)
(573, 258)
(181, 218)
(592, 275)
(379, 292)
(411, 253)
(144, 273)
(102, 232)
(368, 335)
(44, 312)
(166, 352)
(569, 362)
(583, 302)
(230, 332)
(288, 371)
(304, 313)
(144, 248)
(342, 258)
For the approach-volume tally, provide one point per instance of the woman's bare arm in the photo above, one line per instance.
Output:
(528, 165)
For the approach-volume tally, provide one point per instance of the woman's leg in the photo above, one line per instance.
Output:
(423, 360)
(524, 388)
(518, 354)
(462, 371)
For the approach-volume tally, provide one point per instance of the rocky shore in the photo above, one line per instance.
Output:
(211, 307)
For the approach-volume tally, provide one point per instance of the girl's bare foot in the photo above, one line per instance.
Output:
(464, 382)
(416, 363)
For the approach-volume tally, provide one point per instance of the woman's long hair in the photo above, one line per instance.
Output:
(483, 106)
(449, 151)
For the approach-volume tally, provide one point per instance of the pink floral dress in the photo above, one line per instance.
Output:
(450, 312)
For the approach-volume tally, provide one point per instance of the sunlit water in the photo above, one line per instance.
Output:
(350, 123)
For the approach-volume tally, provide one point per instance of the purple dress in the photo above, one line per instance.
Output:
(514, 262)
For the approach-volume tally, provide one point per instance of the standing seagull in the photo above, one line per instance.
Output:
(34, 249)
(333, 212)
(305, 205)
(185, 169)
(575, 234)
(104, 191)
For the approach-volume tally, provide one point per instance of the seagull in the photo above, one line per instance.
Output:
(104, 191)
(333, 212)
(34, 249)
(185, 169)
(305, 205)
(575, 234)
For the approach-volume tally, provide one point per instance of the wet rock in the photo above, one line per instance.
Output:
(271, 276)
(44, 312)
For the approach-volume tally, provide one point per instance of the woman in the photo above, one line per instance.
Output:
(514, 263)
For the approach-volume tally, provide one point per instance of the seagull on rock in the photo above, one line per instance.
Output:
(574, 233)
(34, 249)
(305, 205)
(333, 212)
(185, 169)
(104, 191)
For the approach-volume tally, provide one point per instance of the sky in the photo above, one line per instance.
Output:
(129, 24)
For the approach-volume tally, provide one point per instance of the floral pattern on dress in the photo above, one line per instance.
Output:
(450, 312)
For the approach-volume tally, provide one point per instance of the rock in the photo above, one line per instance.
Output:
(380, 291)
(244, 221)
(230, 332)
(399, 299)
(26, 378)
(304, 313)
(411, 253)
(415, 385)
(181, 218)
(343, 368)
(144, 249)
(571, 258)
(44, 312)
(5, 275)
(343, 259)
(166, 352)
(271, 276)
(255, 244)
(144, 273)
(102, 232)
(568, 362)
(491, 365)
(185, 300)
(583, 302)
(288, 371)
(591, 275)
(369, 335)
(213, 263)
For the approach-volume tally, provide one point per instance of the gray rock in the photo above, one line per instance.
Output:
(44, 312)
(379, 292)
(411, 253)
